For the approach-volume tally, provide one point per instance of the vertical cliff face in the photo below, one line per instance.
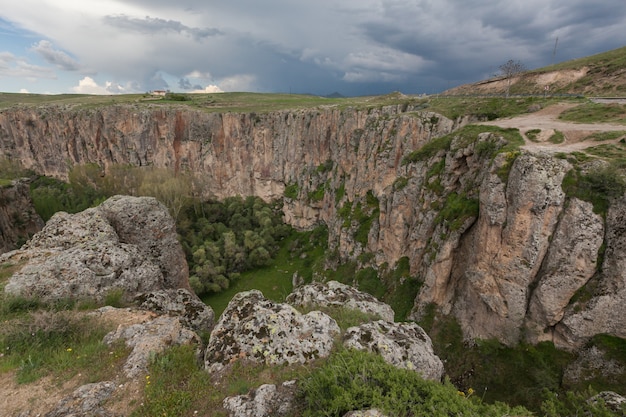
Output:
(18, 219)
(490, 235)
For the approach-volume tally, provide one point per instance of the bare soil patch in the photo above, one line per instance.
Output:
(547, 121)
(41, 396)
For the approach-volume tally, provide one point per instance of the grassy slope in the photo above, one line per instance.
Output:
(604, 77)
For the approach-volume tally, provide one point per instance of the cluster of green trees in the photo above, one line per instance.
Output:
(223, 239)
(220, 239)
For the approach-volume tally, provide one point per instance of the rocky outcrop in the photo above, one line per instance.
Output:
(256, 329)
(596, 314)
(86, 401)
(150, 338)
(180, 303)
(266, 400)
(127, 244)
(18, 219)
(404, 345)
(336, 294)
(491, 238)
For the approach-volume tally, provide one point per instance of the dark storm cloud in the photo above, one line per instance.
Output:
(150, 25)
(55, 57)
(352, 46)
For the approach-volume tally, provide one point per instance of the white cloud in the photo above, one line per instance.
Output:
(89, 86)
(209, 89)
(242, 82)
(24, 91)
(17, 67)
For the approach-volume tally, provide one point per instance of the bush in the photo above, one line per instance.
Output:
(597, 187)
(356, 380)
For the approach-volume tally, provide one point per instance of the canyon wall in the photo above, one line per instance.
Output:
(490, 234)
(18, 219)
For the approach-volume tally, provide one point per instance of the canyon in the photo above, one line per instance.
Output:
(487, 227)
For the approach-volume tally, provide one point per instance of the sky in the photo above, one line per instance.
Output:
(353, 47)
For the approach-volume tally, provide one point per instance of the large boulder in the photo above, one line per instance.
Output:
(127, 244)
(256, 329)
(404, 345)
(336, 294)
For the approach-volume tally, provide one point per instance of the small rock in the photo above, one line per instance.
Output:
(267, 400)
(85, 401)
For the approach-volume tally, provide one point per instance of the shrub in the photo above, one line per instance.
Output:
(457, 209)
(356, 380)
(597, 187)
(292, 191)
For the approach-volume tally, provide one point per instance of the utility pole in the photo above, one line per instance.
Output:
(554, 51)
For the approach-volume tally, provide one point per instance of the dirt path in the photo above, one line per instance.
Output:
(547, 121)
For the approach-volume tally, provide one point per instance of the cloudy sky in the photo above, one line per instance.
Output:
(354, 47)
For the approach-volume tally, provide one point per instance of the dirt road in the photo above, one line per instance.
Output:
(547, 121)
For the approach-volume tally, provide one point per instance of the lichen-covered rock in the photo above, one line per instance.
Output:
(267, 400)
(592, 363)
(336, 294)
(147, 339)
(180, 303)
(85, 401)
(404, 345)
(127, 244)
(257, 329)
(612, 400)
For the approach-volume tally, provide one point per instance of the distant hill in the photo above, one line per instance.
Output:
(602, 74)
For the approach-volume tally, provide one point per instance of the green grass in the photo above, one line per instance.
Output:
(557, 137)
(606, 136)
(596, 113)
(464, 137)
(300, 252)
(238, 102)
(596, 186)
(486, 108)
(532, 134)
(611, 60)
(62, 343)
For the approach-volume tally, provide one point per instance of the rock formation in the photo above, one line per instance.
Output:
(336, 294)
(404, 345)
(18, 219)
(150, 338)
(266, 400)
(127, 244)
(488, 234)
(256, 329)
(180, 303)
